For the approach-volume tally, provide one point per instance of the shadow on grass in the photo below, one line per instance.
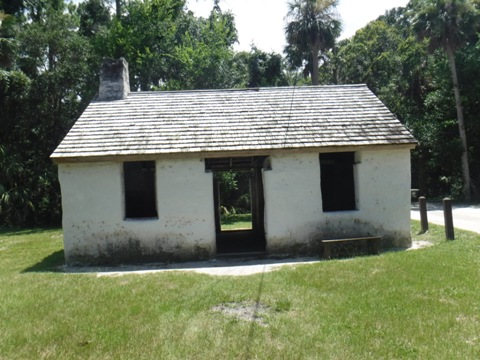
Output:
(17, 231)
(51, 263)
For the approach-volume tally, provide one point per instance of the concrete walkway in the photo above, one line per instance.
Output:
(223, 267)
(465, 217)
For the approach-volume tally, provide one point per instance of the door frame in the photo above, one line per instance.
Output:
(241, 241)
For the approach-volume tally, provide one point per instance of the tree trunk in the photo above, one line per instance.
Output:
(315, 50)
(118, 8)
(467, 186)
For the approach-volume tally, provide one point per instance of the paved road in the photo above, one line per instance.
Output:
(466, 217)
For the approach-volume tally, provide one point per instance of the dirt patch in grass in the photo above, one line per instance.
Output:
(245, 310)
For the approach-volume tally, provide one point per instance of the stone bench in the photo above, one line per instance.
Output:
(372, 241)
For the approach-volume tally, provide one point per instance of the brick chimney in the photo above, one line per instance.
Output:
(114, 82)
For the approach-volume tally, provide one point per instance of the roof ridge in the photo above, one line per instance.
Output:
(253, 89)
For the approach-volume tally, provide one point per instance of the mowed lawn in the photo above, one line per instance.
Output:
(422, 304)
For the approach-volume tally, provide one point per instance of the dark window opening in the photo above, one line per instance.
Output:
(139, 182)
(337, 181)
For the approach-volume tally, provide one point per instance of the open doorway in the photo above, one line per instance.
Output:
(234, 189)
(239, 204)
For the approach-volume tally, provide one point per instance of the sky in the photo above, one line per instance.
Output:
(261, 22)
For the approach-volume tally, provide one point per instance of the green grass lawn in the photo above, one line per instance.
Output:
(422, 304)
(236, 222)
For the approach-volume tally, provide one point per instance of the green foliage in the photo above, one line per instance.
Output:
(15, 202)
(468, 69)
(234, 188)
(50, 54)
(42, 92)
(8, 45)
(168, 48)
(312, 29)
(445, 23)
(203, 58)
(144, 35)
(94, 17)
(14, 90)
(12, 7)
(450, 25)
(227, 180)
(257, 68)
(265, 69)
(416, 86)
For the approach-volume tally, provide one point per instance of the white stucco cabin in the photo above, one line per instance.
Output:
(137, 171)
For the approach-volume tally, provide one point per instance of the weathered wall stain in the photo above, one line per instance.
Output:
(96, 232)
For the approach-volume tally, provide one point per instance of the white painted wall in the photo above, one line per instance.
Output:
(295, 221)
(93, 214)
(384, 196)
(293, 202)
(95, 229)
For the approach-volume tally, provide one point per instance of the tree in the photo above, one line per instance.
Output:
(416, 87)
(312, 29)
(11, 7)
(449, 25)
(94, 17)
(8, 45)
(261, 69)
(47, 80)
(144, 34)
(386, 56)
(202, 56)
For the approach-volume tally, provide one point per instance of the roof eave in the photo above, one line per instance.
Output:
(59, 159)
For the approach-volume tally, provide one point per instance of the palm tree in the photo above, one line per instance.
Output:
(449, 24)
(313, 26)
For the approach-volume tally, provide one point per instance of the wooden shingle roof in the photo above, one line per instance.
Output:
(220, 121)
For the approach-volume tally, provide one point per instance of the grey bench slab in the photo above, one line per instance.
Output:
(373, 244)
